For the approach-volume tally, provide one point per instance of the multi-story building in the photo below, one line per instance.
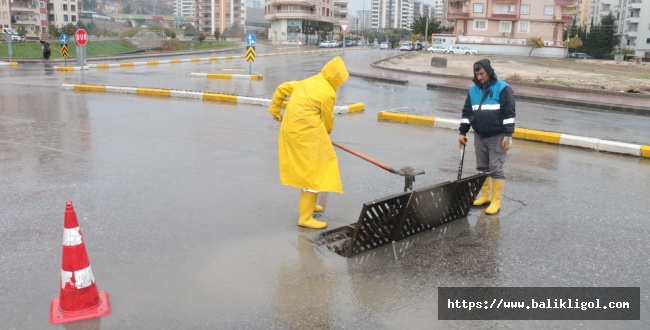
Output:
(185, 8)
(502, 26)
(307, 21)
(439, 12)
(219, 14)
(365, 18)
(636, 27)
(63, 12)
(421, 9)
(23, 14)
(387, 14)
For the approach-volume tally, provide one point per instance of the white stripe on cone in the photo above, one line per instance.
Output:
(71, 236)
(83, 278)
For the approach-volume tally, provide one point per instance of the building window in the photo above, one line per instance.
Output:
(74, 18)
(478, 7)
(525, 10)
(290, 8)
(65, 18)
(505, 26)
(73, 8)
(505, 9)
(65, 7)
(549, 10)
(647, 41)
(524, 27)
(480, 25)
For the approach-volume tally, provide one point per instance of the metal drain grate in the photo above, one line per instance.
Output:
(396, 217)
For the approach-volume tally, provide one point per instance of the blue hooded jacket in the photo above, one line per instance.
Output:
(490, 109)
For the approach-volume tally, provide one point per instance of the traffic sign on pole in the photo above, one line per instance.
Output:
(81, 37)
(251, 40)
(344, 27)
(64, 39)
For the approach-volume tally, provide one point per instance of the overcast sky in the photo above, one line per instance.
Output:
(354, 5)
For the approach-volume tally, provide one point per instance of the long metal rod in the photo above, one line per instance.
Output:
(364, 157)
(462, 159)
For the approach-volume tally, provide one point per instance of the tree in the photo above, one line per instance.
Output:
(201, 37)
(190, 30)
(602, 39)
(575, 43)
(69, 29)
(217, 33)
(419, 26)
(534, 42)
(22, 31)
(371, 38)
(54, 31)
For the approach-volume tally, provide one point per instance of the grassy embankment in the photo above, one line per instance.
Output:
(101, 47)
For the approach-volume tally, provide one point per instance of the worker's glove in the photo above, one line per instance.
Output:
(506, 143)
(278, 118)
(462, 140)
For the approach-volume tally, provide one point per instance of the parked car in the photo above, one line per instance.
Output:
(384, 45)
(418, 45)
(14, 35)
(437, 49)
(328, 44)
(292, 43)
(461, 50)
(580, 55)
(406, 46)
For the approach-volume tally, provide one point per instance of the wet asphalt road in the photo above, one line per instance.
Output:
(187, 226)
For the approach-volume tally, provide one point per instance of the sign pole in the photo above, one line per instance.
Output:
(83, 61)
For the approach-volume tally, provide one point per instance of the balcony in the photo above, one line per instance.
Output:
(293, 2)
(458, 14)
(294, 14)
(563, 2)
(504, 17)
(564, 18)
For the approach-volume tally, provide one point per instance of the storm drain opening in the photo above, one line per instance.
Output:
(402, 215)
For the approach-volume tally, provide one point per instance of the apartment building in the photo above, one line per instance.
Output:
(502, 26)
(307, 21)
(185, 8)
(421, 9)
(219, 14)
(439, 12)
(636, 27)
(28, 14)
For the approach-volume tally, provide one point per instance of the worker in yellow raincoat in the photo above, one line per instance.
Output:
(306, 156)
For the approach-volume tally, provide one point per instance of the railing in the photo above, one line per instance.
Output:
(458, 13)
(292, 2)
(506, 17)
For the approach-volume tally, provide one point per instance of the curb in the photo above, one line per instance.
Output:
(8, 63)
(528, 134)
(196, 59)
(70, 68)
(339, 109)
(379, 78)
(256, 76)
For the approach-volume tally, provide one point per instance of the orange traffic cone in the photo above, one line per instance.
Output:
(79, 298)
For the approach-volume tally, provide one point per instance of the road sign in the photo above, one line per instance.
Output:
(251, 40)
(344, 27)
(64, 39)
(250, 54)
(64, 49)
(81, 37)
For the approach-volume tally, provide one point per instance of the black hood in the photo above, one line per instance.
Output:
(485, 63)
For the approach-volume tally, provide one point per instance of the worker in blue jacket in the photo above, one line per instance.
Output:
(490, 111)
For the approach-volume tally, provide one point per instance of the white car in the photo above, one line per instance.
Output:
(328, 44)
(461, 50)
(383, 45)
(407, 46)
(436, 49)
(292, 43)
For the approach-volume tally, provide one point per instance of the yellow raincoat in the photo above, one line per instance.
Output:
(306, 156)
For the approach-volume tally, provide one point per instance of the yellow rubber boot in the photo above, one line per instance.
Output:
(306, 208)
(486, 192)
(318, 208)
(497, 190)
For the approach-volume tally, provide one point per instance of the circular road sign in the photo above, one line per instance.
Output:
(81, 37)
